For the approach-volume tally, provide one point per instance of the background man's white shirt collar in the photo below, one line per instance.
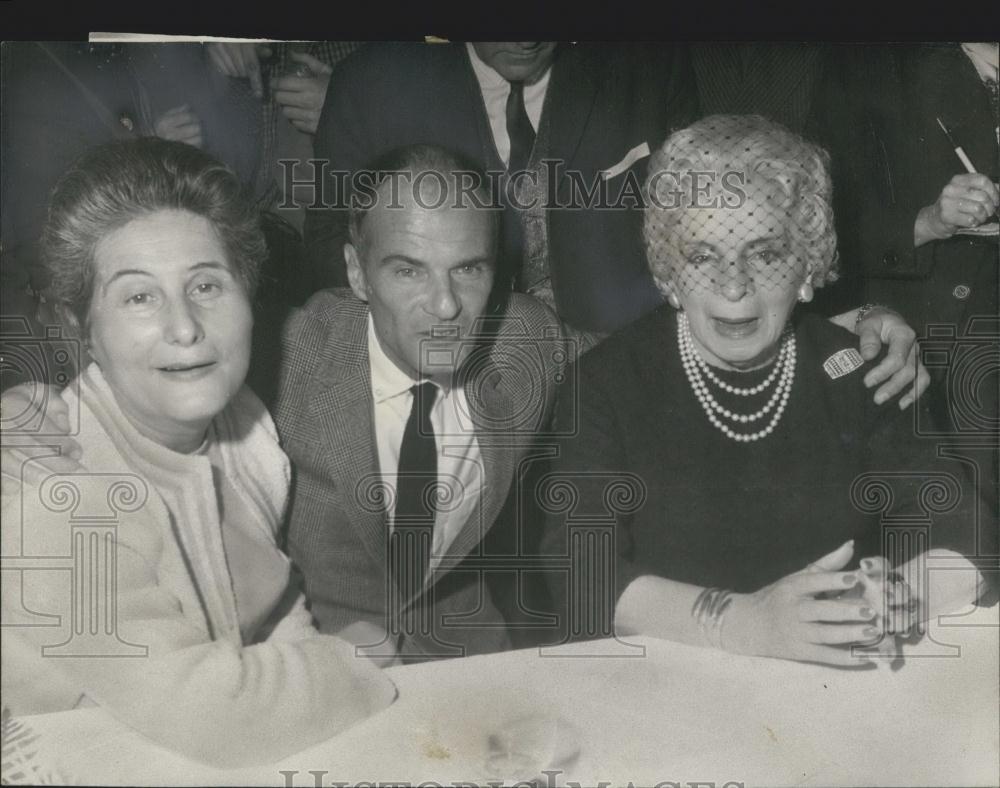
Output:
(495, 90)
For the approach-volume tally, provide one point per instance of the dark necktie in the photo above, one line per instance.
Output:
(413, 523)
(519, 129)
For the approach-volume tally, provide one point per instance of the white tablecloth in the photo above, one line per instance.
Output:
(673, 714)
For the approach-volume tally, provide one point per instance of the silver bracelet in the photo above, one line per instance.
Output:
(863, 311)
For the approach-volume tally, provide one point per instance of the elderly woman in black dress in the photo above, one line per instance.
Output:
(745, 425)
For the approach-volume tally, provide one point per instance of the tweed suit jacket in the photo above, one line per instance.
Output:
(338, 527)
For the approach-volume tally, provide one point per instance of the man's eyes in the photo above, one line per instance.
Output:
(472, 269)
(412, 272)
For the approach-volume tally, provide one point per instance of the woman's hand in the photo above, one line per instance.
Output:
(301, 97)
(179, 124)
(372, 641)
(901, 365)
(889, 593)
(48, 448)
(967, 200)
(240, 60)
(787, 619)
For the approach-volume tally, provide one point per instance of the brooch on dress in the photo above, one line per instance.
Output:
(842, 362)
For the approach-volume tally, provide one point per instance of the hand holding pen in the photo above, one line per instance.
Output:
(969, 199)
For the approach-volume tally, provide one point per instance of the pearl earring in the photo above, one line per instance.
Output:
(806, 291)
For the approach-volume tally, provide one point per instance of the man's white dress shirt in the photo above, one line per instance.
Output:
(495, 90)
(459, 461)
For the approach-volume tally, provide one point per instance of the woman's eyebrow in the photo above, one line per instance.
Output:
(692, 246)
(123, 272)
(212, 264)
(765, 240)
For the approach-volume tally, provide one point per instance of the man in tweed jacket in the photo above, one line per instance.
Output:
(411, 270)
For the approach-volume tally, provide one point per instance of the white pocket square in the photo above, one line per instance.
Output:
(638, 152)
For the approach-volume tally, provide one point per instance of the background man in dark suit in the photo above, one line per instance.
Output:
(918, 229)
(594, 111)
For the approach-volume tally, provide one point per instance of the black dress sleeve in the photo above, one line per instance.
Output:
(589, 498)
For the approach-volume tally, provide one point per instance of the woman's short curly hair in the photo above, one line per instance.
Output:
(113, 184)
(753, 146)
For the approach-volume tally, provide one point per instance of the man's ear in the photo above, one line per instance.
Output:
(356, 272)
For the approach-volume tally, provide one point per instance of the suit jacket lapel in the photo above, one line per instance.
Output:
(489, 404)
(569, 101)
(484, 132)
(344, 412)
(343, 403)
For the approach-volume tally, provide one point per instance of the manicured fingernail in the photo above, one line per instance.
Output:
(849, 580)
(870, 632)
(867, 564)
(880, 398)
(866, 612)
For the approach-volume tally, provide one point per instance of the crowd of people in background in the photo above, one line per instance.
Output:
(906, 232)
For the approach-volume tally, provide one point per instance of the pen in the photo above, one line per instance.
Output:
(958, 149)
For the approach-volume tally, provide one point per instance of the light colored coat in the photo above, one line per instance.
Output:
(176, 668)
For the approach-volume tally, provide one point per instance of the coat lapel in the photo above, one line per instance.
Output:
(484, 133)
(569, 101)
(344, 410)
(489, 404)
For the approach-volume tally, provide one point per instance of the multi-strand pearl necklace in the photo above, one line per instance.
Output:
(697, 371)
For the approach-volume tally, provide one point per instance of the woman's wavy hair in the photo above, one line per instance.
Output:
(113, 184)
(756, 146)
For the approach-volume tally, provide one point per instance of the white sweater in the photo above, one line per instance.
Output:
(191, 685)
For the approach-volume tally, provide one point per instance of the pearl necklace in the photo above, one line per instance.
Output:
(697, 370)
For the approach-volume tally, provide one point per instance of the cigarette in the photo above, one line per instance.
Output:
(965, 160)
(958, 149)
